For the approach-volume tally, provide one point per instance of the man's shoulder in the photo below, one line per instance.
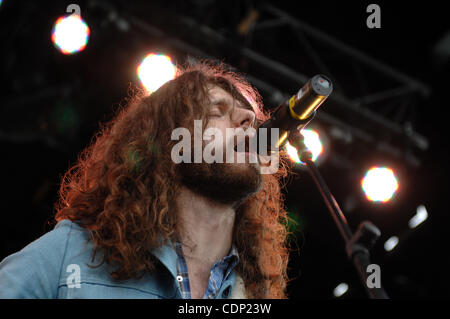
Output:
(53, 245)
(64, 233)
(35, 270)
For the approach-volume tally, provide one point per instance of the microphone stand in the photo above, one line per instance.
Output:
(357, 245)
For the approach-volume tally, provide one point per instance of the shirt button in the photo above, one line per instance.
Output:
(179, 278)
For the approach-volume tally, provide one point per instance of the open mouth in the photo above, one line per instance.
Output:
(244, 146)
(245, 150)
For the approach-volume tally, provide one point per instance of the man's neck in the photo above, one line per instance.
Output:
(207, 227)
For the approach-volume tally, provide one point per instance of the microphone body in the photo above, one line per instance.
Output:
(294, 113)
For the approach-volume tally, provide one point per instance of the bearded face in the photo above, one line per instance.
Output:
(229, 180)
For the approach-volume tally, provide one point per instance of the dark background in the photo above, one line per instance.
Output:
(51, 105)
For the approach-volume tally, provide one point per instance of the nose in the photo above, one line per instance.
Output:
(245, 118)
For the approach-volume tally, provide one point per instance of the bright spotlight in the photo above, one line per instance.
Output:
(340, 290)
(155, 70)
(312, 142)
(420, 216)
(379, 184)
(390, 243)
(70, 34)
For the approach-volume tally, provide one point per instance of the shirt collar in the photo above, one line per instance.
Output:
(168, 257)
(232, 255)
(169, 252)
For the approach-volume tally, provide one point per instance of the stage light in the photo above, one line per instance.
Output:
(390, 243)
(312, 142)
(340, 290)
(420, 216)
(155, 70)
(70, 34)
(379, 184)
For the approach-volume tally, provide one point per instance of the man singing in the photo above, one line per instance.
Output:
(132, 223)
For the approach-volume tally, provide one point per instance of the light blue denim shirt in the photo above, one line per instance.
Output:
(56, 266)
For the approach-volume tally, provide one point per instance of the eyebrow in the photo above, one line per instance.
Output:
(225, 101)
(220, 101)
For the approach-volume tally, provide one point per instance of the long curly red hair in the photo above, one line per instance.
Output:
(123, 186)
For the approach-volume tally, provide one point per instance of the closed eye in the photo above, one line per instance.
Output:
(215, 114)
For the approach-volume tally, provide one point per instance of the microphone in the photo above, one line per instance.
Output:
(294, 113)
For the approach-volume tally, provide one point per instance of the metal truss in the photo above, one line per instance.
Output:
(372, 103)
